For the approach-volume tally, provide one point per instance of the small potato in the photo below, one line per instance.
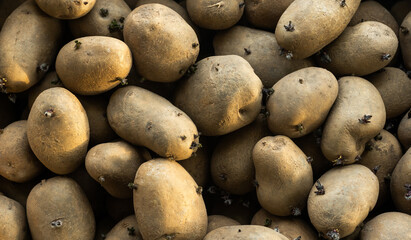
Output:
(265, 14)
(12, 220)
(49, 81)
(217, 221)
(126, 229)
(94, 64)
(66, 9)
(400, 184)
(357, 115)
(341, 199)
(244, 232)
(222, 95)
(404, 130)
(285, 192)
(57, 208)
(198, 166)
(388, 225)
(405, 40)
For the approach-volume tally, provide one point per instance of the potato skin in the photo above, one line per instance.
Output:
(400, 179)
(316, 24)
(66, 9)
(244, 232)
(146, 119)
(351, 192)
(123, 230)
(217, 221)
(12, 219)
(20, 67)
(47, 205)
(400, 9)
(49, 81)
(198, 166)
(59, 141)
(388, 225)
(97, 65)
(404, 130)
(405, 40)
(344, 135)
(177, 205)
(164, 46)
(265, 13)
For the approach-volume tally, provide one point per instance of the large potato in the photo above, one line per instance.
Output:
(223, 95)
(29, 42)
(405, 40)
(357, 115)
(401, 184)
(13, 223)
(404, 130)
(244, 232)
(66, 9)
(126, 229)
(168, 203)
(307, 26)
(388, 225)
(265, 13)
(58, 130)
(164, 46)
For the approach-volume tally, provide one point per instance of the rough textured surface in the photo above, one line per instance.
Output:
(66, 9)
(401, 184)
(13, 223)
(389, 225)
(244, 232)
(217, 221)
(265, 13)
(126, 229)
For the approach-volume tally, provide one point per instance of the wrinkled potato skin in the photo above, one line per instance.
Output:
(66, 9)
(49, 81)
(316, 25)
(95, 66)
(244, 232)
(388, 225)
(296, 101)
(343, 134)
(223, 95)
(265, 13)
(405, 40)
(121, 230)
(346, 188)
(178, 208)
(217, 221)
(404, 130)
(48, 202)
(164, 45)
(13, 223)
(283, 192)
(399, 178)
(60, 142)
(18, 65)
(146, 119)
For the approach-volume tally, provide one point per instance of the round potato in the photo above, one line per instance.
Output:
(12, 219)
(58, 130)
(405, 40)
(66, 9)
(94, 64)
(126, 229)
(49, 81)
(217, 221)
(244, 232)
(388, 225)
(401, 184)
(265, 14)
(404, 130)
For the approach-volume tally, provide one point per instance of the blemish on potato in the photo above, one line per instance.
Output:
(247, 51)
(49, 113)
(103, 12)
(268, 222)
(131, 231)
(289, 27)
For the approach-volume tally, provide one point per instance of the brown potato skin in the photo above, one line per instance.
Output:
(198, 166)
(122, 230)
(18, 65)
(164, 46)
(97, 65)
(17, 162)
(296, 101)
(12, 219)
(343, 134)
(404, 130)
(222, 95)
(265, 13)
(49, 81)
(405, 40)
(59, 142)
(48, 202)
(388, 225)
(399, 178)
(217, 221)
(287, 190)
(178, 208)
(6, 8)
(316, 25)
(244, 232)
(66, 9)
(260, 49)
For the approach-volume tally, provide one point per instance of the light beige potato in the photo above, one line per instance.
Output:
(265, 13)
(404, 130)
(58, 130)
(57, 208)
(405, 40)
(307, 26)
(260, 49)
(301, 101)
(198, 166)
(357, 115)
(400, 185)
(66, 9)
(217, 221)
(164, 46)
(13, 224)
(17, 161)
(350, 193)
(285, 192)
(147, 119)
(400, 9)
(244, 232)
(126, 229)
(94, 64)
(222, 95)
(168, 209)
(49, 81)
(29, 42)
(388, 225)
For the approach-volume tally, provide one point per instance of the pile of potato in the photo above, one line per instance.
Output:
(205, 119)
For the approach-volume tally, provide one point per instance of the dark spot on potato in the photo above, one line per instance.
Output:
(242, 5)
(49, 113)
(149, 125)
(268, 222)
(404, 30)
(339, 160)
(320, 188)
(386, 57)
(365, 119)
(343, 3)
(375, 169)
(334, 234)
(223, 177)
(247, 51)
(310, 159)
(183, 138)
(195, 136)
(56, 223)
(296, 212)
(289, 27)
(242, 110)
(77, 2)
(85, 3)
(131, 231)
(44, 67)
(301, 81)
(239, 230)
(276, 229)
(77, 44)
(199, 190)
(300, 128)
(103, 12)
(194, 45)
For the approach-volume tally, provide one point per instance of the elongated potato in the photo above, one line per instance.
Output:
(66, 9)
(400, 185)
(307, 26)
(94, 64)
(217, 221)
(265, 14)
(12, 219)
(58, 130)
(177, 205)
(405, 40)
(349, 194)
(20, 69)
(244, 232)
(404, 130)
(388, 225)
(144, 118)
(126, 229)
(357, 115)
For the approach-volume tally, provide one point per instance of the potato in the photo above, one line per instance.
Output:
(215, 14)
(105, 19)
(294, 108)
(114, 166)
(17, 162)
(239, 208)
(198, 166)
(144, 118)
(404, 130)
(394, 87)
(6, 8)
(94, 64)
(291, 227)
(126, 229)
(58, 130)
(260, 49)
(27, 27)
(49, 81)
(284, 193)
(57, 208)
(349, 194)
(221, 96)
(405, 40)
(265, 14)
(388, 225)
(164, 46)
(357, 115)
(177, 205)
(12, 219)
(244, 232)
(66, 9)
(400, 185)
(217, 221)
(307, 26)
(400, 9)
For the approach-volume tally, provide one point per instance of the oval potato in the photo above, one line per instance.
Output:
(66, 9)
(388, 225)
(126, 229)
(244, 232)
(265, 14)
(217, 221)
